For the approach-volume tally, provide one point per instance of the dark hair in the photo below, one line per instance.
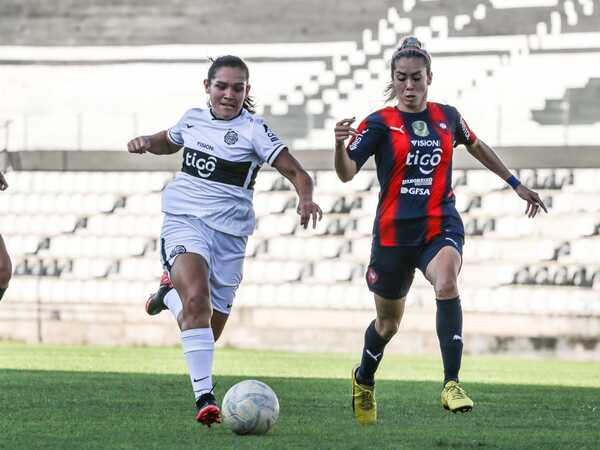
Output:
(231, 61)
(411, 47)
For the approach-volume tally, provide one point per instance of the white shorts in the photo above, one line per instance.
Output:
(224, 254)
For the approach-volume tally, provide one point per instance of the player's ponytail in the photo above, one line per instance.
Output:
(411, 47)
(232, 61)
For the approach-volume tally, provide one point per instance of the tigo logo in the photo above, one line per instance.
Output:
(426, 161)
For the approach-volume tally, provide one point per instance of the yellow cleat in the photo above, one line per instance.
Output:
(363, 401)
(454, 398)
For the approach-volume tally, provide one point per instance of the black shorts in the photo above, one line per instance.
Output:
(392, 269)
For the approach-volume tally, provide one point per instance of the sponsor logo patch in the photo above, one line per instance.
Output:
(415, 191)
(204, 166)
(465, 129)
(357, 140)
(426, 161)
(425, 142)
(418, 181)
(272, 136)
(205, 146)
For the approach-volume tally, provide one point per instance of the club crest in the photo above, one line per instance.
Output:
(420, 128)
(177, 250)
(231, 137)
(372, 276)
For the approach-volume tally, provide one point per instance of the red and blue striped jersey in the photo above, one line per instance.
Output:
(413, 155)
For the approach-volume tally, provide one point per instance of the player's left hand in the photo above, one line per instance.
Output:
(308, 209)
(3, 183)
(534, 202)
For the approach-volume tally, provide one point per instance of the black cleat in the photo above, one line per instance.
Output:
(207, 411)
(155, 303)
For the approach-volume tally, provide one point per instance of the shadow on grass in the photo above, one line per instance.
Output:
(50, 409)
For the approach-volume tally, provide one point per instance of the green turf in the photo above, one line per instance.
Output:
(124, 398)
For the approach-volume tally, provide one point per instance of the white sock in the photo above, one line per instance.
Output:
(198, 347)
(173, 302)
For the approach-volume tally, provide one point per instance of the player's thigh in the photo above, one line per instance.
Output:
(444, 266)
(190, 276)
(391, 271)
(185, 252)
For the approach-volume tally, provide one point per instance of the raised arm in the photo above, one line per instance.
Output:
(484, 154)
(290, 168)
(158, 143)
(344, 166)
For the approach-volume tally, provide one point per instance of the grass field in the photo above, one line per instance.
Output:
(140, 398)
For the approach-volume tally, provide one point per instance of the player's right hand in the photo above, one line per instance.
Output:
(343, 130)
(139, 144)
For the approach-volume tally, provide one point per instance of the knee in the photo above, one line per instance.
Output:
(446, 288)
(387, 328)
(196, 305)
(5, 272)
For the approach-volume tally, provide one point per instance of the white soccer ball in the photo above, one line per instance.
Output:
(250, 407)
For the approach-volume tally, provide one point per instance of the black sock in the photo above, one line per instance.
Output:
(371, 356)
(2, 291)
(449, 331)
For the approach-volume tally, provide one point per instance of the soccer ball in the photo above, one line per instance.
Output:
(250, 407)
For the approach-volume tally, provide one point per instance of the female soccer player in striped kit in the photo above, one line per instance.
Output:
(416, 224)
(5, 264)
(209, 215)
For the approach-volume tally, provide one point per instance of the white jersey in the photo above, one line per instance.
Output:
(220, 161)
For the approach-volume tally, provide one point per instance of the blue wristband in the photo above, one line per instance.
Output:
(513, 181)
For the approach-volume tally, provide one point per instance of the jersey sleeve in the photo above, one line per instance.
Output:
(174, 133)
(464, 134)
(361, 147)
(267, 144)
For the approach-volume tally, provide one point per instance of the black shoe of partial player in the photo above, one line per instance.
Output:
(155, 302)
(207, 411)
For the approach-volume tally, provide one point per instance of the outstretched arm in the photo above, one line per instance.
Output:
(484, 154)
(290, 168)
(158, 143)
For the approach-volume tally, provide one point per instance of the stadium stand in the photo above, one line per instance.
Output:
(107, 253)
(301, 90)
(578, 106)
(84, 243)
(94, 22)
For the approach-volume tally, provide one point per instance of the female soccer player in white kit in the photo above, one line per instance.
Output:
(209, 215)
